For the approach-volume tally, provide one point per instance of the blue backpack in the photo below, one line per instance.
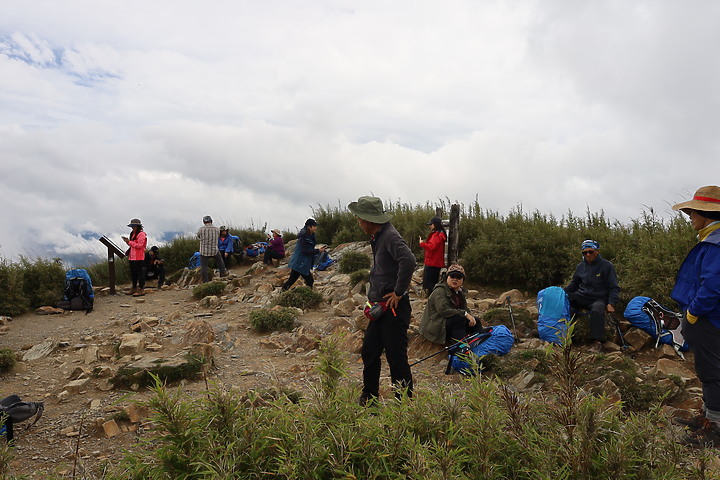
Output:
(649, 316)
(194, 261)
(554, 314)
(323, 261)
(78, 294)
(499, 341)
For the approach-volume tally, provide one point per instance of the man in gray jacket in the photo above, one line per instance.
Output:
(388, 302)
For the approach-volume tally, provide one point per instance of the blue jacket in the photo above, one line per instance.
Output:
(225, 244)
(302, 257)
(697, 285)
(596, 280)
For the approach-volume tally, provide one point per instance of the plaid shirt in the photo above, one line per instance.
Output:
(208, 236)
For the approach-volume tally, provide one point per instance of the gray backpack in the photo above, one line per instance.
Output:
(13, 410)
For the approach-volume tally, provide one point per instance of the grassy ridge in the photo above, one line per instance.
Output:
(522, 250)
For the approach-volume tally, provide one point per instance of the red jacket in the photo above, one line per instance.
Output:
(434, 248)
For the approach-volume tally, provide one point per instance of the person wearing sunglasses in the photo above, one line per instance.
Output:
(446, 319)
(594, 286)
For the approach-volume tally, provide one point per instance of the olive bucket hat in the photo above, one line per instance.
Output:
(370, 209)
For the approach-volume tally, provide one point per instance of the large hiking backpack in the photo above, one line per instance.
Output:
(554, 314)
(498, 341)
(194, 261)
(237, 246)
(13, 410)
(323, 261)
(78, 293)
(651, 317)
(255, 249)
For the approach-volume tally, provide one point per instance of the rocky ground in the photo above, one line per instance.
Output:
(68, 358)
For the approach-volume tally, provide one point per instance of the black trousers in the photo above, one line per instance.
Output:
(431, 277)
(388, 334)
(137, 273)
(458, 327)
(155, 272)
(597, 313)
(704, 339)
(294, 275)
(270, 255)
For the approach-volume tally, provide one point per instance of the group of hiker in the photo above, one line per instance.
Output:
(446, 319)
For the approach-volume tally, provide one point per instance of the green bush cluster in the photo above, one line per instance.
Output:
(264, 320)
(207, 289)
(359, 276)
(7, 359)
(478, 428)
(300, 297)
(354, 261)
(27, 285)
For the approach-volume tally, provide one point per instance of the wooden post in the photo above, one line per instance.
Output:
(112, 251)
(453, 234)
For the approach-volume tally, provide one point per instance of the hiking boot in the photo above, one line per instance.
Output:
(139, 293)
(706, 436)
(695, 423)
(596, 347)
(367, 400)
(131, 291)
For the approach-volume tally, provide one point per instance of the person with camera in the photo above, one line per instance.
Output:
(434, 247)
(155, 266)
(137, 241)
(446, 319)
(697, 292)
(388, 302)
(301, 261)
(275, 248)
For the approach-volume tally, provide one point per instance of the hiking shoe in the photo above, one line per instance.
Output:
(695, 423)
(139, 293)
(707, 436)
(597, 347)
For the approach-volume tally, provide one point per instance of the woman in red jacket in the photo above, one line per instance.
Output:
(137, 242)
(434, 248)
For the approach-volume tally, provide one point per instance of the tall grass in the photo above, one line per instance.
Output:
(476, 429)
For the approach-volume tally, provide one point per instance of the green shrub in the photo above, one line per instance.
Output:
(7, 359)
(359, 276)
(207, 289)
(12, 298)
(354, 261)
(264, 320)
(300, 297)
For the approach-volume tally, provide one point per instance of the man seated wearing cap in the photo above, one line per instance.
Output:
(446, 319)
(594, 286)
(697, 292)
(155, 266)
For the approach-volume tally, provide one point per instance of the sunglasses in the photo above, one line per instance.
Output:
(589, 252)
(456, 275)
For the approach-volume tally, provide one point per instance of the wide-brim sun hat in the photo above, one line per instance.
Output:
(370, 209)
(275, 231)
(706, 199)
(135, 222)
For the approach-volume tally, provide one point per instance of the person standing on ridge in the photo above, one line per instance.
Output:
(137, 242)
(434, 248)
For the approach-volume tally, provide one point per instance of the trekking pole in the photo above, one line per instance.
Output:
(617, 329)
(452, 347)
(512, 319)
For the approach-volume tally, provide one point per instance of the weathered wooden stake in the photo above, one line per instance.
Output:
(453, 234)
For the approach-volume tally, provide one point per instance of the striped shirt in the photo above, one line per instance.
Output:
(208, 236)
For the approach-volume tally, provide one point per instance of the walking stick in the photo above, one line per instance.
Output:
(512, 319)
(465, 341)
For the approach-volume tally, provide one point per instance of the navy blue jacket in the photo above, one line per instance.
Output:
(302, 257)
(596, 280)
(697, 286)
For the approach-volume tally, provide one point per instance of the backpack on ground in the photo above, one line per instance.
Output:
(323, 261)
(554, 314)
(194, 261)
(237, 246)
(78, 294)
(659, 322)
(13, 410)
(255, 249)
(498, 341)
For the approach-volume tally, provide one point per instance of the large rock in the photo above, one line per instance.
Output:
(666, 367)
(132, 343)
(198, 331)
(345, 308)
(41, 350)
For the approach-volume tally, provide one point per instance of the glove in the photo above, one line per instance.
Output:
(690, 317)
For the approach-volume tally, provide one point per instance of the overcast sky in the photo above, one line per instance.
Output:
(255, 112)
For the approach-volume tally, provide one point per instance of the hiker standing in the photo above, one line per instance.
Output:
(275, 248)
(225, 245)
(302, 258)
(137, 242)
(697, 291)
(208, 235)
(446, 319)
(155, 266)
(434, 247)
(594, 286)
(390, 276)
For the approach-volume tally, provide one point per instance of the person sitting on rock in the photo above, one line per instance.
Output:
(275, 248)
(446, 319)
(155, 266)
(225, 245)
